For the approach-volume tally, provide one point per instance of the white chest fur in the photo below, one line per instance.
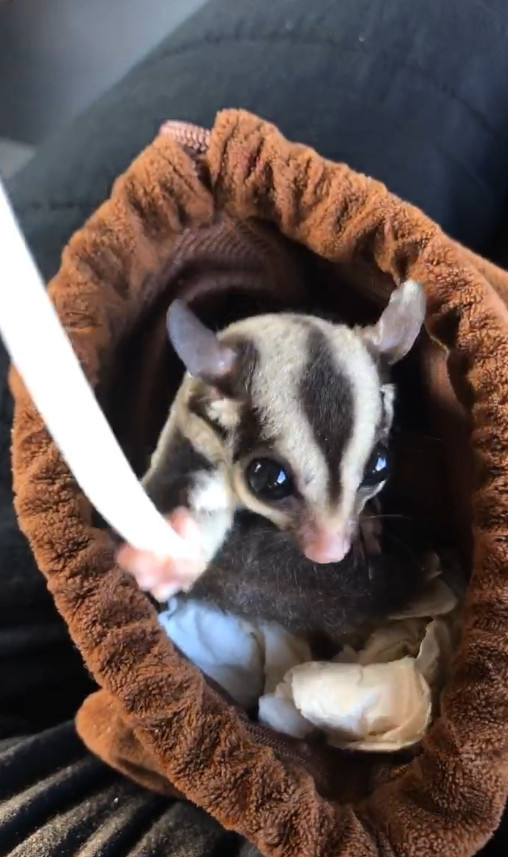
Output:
(212, 506)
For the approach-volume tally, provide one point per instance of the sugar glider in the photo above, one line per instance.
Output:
(280, 428)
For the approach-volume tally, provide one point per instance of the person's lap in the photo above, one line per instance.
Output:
(410, 91)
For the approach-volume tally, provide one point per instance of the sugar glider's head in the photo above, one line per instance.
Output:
(298, 410)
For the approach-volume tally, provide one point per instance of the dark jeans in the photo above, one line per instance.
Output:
(413, 92)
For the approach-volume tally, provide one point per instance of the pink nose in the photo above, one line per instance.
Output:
(324, 547)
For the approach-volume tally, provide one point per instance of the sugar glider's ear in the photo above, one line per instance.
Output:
(395, 332)
(199, 349)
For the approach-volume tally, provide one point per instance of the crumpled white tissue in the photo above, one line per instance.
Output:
(379, 696)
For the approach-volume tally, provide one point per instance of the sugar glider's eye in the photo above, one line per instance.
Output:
(268, 479)
(376, 470)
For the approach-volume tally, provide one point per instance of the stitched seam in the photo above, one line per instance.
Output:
(330, 42)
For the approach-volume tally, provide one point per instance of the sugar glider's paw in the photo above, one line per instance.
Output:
(163, 576)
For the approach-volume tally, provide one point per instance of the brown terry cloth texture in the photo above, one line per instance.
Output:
(449, 799)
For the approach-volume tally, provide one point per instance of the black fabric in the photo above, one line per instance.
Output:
(410, 91)
(56, 799)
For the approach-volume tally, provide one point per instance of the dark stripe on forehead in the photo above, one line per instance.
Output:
(327, 401)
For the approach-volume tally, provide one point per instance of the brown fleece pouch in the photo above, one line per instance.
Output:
(233, 220)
